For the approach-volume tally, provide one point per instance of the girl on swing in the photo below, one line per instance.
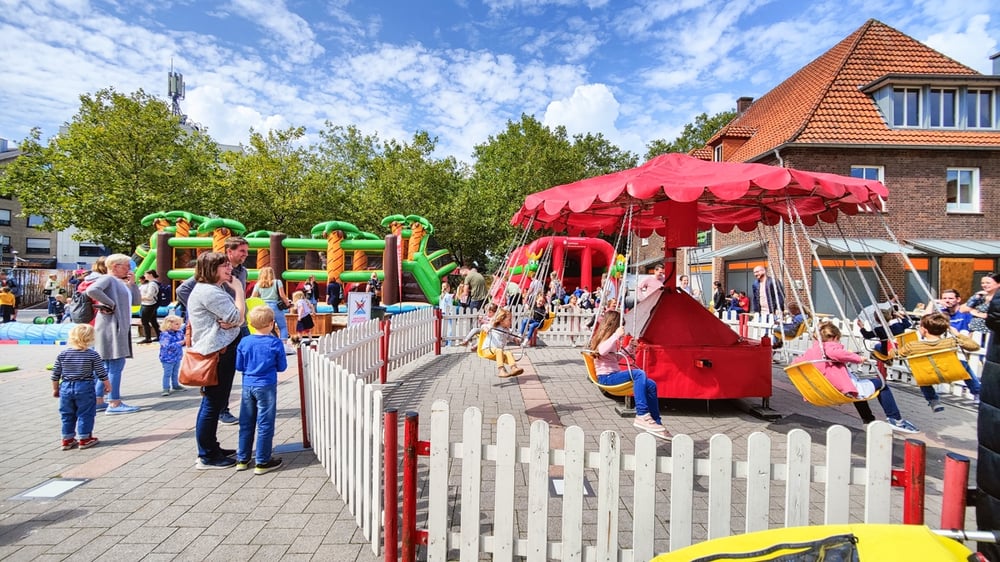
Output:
(605, 344)
(831, 359)
(498, 337)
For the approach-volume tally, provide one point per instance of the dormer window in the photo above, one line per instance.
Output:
(979, 109)
(906, 107)
(718, 153)
(943, 107)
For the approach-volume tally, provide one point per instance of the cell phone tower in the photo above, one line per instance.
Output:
(175, 89)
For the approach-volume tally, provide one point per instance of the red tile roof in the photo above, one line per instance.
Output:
(822, 102)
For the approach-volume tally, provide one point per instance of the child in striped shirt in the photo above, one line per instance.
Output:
(73, 384)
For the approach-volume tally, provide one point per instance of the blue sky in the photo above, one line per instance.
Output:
(460, 69)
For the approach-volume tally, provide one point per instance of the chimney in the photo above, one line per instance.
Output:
(743, 103)
(996, 64)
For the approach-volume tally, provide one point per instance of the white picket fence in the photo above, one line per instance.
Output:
(521, 523)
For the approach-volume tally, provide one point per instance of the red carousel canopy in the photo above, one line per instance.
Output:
(727, 195)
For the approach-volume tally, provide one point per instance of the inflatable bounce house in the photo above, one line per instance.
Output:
(336, 250)
(578, 261)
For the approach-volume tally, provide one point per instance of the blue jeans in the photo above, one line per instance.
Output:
(214, 399)
(887, 400)
(52, 305)
(646, 400)
(114, 368)
(170, 370)
(279, 319)
(532, 327)
(77, 406)
(257, 411)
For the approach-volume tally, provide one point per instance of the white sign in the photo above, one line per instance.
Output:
(359, 307)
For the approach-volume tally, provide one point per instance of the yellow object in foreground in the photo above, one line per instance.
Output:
(873, 543)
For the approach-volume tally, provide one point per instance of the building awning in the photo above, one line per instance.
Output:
(864, 246)
(957, 247)
(736, 251)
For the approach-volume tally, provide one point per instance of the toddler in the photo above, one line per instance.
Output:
(73, 384)
(171, 350)
(498, 336)
(7, 302)
(304, 310)
(260, 357)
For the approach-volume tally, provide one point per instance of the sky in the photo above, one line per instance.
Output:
(632, 70)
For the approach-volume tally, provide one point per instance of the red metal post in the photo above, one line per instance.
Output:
(383, 372)
(409, 531)
(914, 467)
(437, 331)
(956, 485)
(391, 504)
(302, 400)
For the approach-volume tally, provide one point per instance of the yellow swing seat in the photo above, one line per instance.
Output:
(547, 323)
(937, 367)
(817, 389)
(481, 350)
(906, 337)
(624, 389)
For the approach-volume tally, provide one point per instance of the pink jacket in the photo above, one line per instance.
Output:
(834, 369)
(607, 362)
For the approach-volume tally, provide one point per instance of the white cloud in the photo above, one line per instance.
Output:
(293, 31)
(973, 46)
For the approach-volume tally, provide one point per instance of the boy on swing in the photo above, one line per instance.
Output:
(831, 359)
(932, 329)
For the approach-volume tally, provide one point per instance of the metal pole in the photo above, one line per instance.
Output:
(409, 550)
(956, 485)
(391, 463)
(914, 468)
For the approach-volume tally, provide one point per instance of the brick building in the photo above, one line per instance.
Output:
(880, 105)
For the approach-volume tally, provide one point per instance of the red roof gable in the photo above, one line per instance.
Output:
(822, 103)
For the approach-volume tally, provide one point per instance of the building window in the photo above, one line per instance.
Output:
(944, 107)
(718, 153)
(963, 190)
(979, 109)
(876, 173)
(90, 251)
(906, 107)
(38, 246)
(35, 221)
(4, 217)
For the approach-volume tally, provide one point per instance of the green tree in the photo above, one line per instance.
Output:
(121, 158)
(695, 135)
(271, 184)
(598, 156)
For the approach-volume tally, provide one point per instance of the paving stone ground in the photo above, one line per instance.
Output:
(143, 499)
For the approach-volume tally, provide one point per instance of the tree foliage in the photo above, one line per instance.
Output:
(695, 135)
(118, 160)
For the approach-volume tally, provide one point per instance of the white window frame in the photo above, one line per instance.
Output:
(880, 176)
(906, 90)
(39, 218)
(37, 249)
(5, 221)
(960, 207)
(972, 110)
(940, 114)
(717, 153)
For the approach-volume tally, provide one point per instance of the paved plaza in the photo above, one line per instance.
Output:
(142, 499)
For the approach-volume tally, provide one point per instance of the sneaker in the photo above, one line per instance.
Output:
(265, 467)
(215, 464)
(903, 426)
(516, 371)
(645, 422)
(88, 442)
(68, 444)
(122, 408)
(936, 405)
(228, 418)
(166, 392)
(504, 373)
(227, 452)
(179, 389)
(242, 465)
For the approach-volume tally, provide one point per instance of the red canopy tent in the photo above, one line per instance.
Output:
(681, 345)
